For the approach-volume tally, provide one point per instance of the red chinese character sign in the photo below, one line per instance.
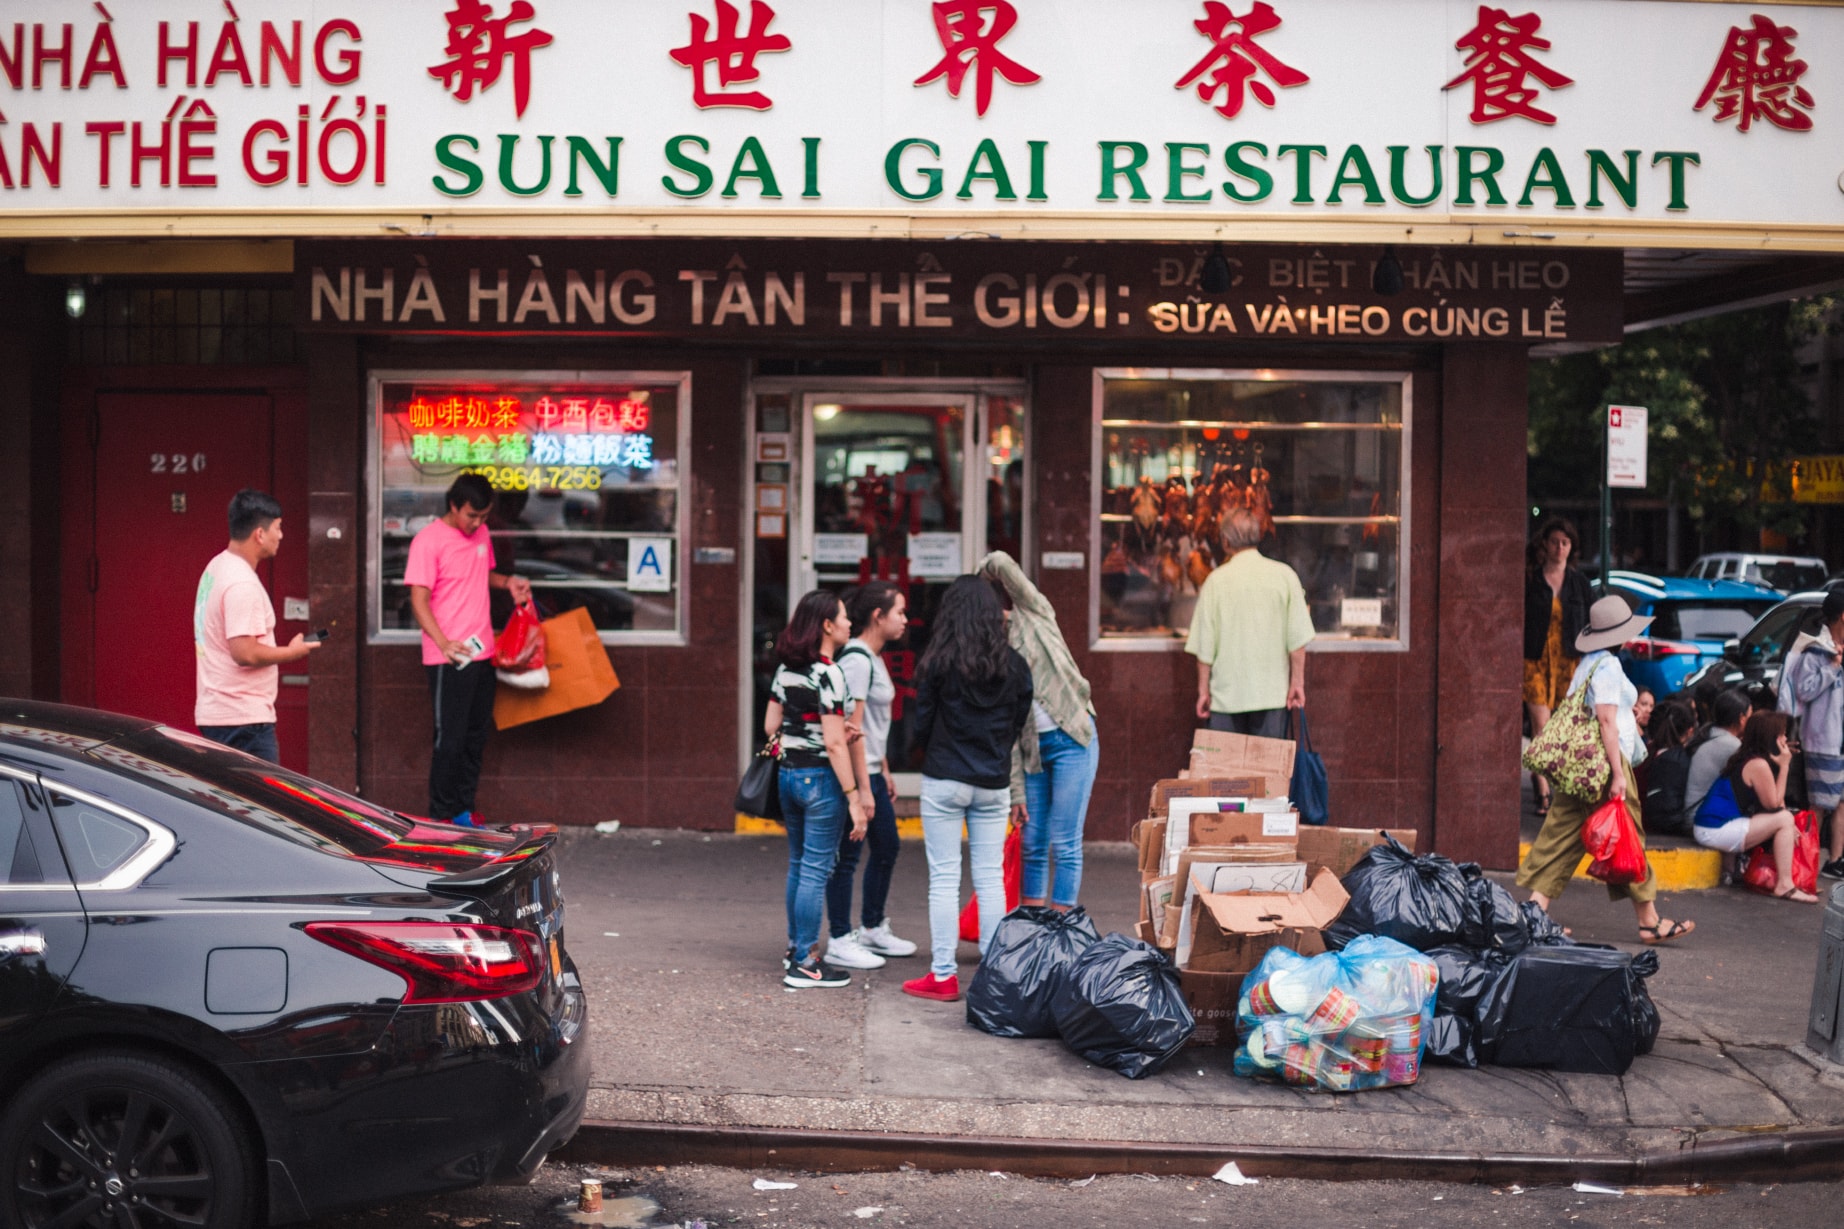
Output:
(1234, 58)
(1500, 66)
(970, 41)
(1756, 77)
(479, 44)
(734, 55)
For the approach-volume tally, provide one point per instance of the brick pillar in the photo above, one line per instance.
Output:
(335, 525)
(1479, 666)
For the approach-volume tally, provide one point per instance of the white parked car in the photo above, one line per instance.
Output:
(1786, 573)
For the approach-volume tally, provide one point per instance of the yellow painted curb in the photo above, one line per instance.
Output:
(908, 827)
(1677, 870)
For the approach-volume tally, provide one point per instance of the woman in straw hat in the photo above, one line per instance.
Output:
(1610, 695)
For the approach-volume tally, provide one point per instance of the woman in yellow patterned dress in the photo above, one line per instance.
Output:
(1556, 601)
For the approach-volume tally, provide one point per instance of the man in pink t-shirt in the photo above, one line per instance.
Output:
(233, 633)
(449, 574)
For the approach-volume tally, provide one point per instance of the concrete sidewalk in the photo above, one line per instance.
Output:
(679, 937)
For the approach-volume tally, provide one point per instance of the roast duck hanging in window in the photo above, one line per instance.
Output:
(1168, 535)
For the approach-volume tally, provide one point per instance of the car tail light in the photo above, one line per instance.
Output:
(443, 962)
(1658, 650)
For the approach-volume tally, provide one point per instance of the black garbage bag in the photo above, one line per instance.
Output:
(1121, 1006)
(1419, 900)
(1494, 920)
(1029, 955)
(1575, 1008)
(1645, 1012)
(1466, 975)
(1545, 931)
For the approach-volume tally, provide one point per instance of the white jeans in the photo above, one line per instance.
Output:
(945, 806)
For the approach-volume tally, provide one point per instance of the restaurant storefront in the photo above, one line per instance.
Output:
(814, 314)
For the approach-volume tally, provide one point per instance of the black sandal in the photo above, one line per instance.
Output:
(1665, 932)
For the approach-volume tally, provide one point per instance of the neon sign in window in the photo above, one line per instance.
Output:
(580, 467)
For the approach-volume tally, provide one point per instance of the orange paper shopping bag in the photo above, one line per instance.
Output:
(581, 674)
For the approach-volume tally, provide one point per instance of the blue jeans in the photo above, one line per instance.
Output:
(813, 810)
(882, 841)
(258, 739)
(945, 806)
(1057, 800)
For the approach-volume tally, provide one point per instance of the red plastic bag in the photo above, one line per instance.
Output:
(1612, 840)
(1013, 863)
(518, 653)
(1760, 875)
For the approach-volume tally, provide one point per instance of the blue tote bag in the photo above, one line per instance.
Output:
(1307, 789)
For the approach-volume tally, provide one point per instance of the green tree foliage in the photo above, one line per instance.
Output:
(1726, 411)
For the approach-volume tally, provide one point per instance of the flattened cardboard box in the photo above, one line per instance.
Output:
(1230, 933)
(1252, 854)
(1215, 753)
(1244, 828)
(1149, 839)
(1202, 787)
(1338, 849)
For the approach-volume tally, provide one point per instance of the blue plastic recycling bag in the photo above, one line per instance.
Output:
(1342, 1021)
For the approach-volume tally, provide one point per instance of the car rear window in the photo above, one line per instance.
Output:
(1770, 640)
(251, 790)
(1787, 577)
(1706, 620)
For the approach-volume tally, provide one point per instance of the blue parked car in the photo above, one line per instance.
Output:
(1690, 621)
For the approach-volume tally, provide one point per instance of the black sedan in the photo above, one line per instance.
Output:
(1759, 653)
(230, 994)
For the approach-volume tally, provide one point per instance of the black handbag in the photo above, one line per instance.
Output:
(1308, 787)
(760, 791)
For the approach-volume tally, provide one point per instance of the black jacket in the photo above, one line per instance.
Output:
(967, 730)
(1577, 596)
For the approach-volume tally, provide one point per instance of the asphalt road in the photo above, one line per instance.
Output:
(970, 1200)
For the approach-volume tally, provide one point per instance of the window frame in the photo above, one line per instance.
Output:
(376, 632)
(1400, 643)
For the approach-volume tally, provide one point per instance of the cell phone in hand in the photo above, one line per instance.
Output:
(469, 649)
(317, 635)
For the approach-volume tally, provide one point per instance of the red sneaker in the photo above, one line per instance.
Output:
(928, 986)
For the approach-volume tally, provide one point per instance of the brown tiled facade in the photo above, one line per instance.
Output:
(1423, 738)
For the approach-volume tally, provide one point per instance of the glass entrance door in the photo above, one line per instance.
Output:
(887, 494)
(877, 479)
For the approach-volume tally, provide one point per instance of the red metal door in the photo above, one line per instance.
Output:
(167, 465)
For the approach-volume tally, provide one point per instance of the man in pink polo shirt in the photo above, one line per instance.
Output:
(449, 573)
(233, 633)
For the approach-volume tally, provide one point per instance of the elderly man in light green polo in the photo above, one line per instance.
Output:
(1249, 635)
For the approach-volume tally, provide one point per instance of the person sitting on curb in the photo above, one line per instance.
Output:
(1747, 807)
(1711, 749)
(1668, 736)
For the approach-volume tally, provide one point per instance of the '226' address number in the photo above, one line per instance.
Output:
(176, 463)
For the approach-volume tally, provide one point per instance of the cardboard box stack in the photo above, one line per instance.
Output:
(1227, 871)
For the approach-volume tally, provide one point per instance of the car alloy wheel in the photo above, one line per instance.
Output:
(120, 1140)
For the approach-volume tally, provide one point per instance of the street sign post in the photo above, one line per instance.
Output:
(1626, 446)
(1624, 452)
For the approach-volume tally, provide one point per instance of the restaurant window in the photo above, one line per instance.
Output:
(1321, 460)
(585, 468)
